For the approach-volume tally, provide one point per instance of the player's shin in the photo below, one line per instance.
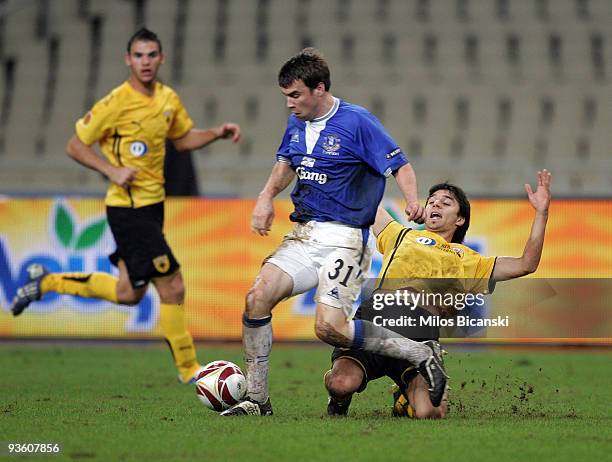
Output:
(380, 340)
(172, 322)
(257, 340)
(89, 285)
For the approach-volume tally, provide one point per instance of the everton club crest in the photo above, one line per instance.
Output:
(331, 144)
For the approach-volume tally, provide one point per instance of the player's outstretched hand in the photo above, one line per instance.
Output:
(263, 216)
(540, 199)
(229, 130)
(122, 176)
(415, 212)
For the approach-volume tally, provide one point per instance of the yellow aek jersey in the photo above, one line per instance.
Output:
(131, 129)
(412, 254)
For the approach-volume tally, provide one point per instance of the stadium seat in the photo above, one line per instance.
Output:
(475, 85)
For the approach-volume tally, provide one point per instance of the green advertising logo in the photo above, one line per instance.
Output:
(65, 230)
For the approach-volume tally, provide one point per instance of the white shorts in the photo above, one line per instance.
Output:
(330, 255)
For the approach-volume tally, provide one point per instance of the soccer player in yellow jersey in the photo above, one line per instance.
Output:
(436, 252)
(131, 125)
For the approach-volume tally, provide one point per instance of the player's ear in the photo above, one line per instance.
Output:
(460, 220)
(320, 89)
(162, 58)
(126, 59)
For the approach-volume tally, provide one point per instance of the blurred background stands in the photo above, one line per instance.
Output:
(479, 92)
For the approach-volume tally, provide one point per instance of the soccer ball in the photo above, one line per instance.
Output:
(220, 385)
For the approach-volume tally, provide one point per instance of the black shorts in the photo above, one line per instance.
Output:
(376, 366)
(141, 243)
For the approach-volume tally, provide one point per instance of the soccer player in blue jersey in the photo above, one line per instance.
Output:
(341, 155)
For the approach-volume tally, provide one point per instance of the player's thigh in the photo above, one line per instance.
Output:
(271, 285)
(126, 294)
(294, 258)
(171, 288)
(418, 396)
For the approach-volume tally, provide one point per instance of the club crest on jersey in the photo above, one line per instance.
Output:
(331, 144)
(295, 137)
(162, 263)
(308, 161)
(138, 148)
(459, 251)
(168, 116)
(425, 240)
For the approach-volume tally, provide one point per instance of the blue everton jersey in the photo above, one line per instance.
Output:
(341, 160)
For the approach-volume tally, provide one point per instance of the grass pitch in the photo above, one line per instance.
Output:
(122, 403)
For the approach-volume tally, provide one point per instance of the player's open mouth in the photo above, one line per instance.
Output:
(435, 215)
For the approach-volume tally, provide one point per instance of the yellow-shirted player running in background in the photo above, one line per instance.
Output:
(418, 256)
(131, 125)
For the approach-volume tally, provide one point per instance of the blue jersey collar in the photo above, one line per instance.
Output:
(330, 113)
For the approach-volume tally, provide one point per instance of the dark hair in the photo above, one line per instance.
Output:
(143, 35)
(309, 66)
(464, 208)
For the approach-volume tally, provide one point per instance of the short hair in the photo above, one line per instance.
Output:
(309, 66)
(464, 208)
(143, 35)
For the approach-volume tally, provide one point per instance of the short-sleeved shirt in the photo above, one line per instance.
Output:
(131, 129)
(413, 254)
(341, 160)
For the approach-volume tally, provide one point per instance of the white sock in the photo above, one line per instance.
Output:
(380, 340)
(257, 342)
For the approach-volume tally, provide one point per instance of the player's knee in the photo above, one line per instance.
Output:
(177, 293)
(257, 303)
(341, 385)
(171, 290)
(429, 412)
(129, 298)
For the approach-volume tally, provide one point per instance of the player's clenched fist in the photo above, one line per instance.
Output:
(415, 212)
(123, 176)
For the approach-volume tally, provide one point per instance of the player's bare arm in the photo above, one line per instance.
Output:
(263, 214)
(197, 138)
(406, 180)
(514, 267)
(86, 156)
(383, 218)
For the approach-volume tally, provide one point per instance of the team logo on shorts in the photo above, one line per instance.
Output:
(331, 144)
(333, 293)
(162, 263)
(426, 241)
(138, 148)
